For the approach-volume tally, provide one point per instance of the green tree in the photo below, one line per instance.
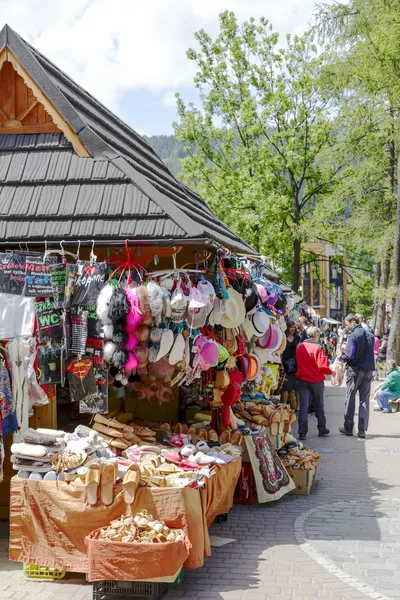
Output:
(256, 143)
(367, 42)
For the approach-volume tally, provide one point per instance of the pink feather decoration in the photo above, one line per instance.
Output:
(132, 342)
(131, 363)
(135, 316)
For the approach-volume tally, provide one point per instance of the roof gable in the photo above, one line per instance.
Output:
(96, 132)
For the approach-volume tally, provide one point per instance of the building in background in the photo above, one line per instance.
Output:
(325, 279)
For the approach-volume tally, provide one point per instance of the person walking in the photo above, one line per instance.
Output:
(289, 361)
(302, 328)
(312, 366)
(390, 388)
(360, 362)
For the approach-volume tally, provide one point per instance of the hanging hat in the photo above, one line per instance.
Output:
(264, 339)
(260, 322)
(255, 369)
(177, 350)
(250, 294)
(263, 354)
(231, 395)
(197, 319)
(235, 311)
(223, 353)
(217, 311)
(276, 338)
(178, 306)
(196, 299)
(262, 292)
(167, 340)
(207, 289)
(290, 304)
(247, 330)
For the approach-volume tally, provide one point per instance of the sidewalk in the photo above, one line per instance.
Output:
(341, 542)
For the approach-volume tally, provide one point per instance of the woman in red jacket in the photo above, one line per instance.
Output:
(312, 366)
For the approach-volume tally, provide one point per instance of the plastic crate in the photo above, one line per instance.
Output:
(133, 590)
(179, 579)
(37, 572)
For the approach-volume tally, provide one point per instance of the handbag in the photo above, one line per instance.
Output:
(290, 365)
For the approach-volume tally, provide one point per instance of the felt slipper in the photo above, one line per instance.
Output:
(171, 456)
(107, 484)
(203, 434)
(92, 481)
(203, 446)
(274, 428)
(236, 437)
(225, 436)
(130, 482)
(212, 436)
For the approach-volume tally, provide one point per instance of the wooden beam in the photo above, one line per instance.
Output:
(50, 109)
(26, 112)
(21, 129)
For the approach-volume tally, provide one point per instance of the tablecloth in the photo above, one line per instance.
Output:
(49, 520)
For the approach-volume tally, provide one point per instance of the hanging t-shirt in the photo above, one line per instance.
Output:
(37, 279)
(85, 282)
(79, 330)
(50, 321)
(58, 274)
(12, 273)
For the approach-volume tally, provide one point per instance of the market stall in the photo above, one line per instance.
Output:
(132, 321)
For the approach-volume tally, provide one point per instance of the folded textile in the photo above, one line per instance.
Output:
(28, 449)
(29, 465)
(31, 436)
(43, 459)
(52, 432)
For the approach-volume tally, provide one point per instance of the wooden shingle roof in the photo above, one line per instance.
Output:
(117, 188)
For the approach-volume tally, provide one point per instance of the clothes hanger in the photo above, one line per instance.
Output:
(62, 252)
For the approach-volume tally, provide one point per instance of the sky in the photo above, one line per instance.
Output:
(131, 54)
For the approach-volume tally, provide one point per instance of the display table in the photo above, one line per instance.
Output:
(49, 520)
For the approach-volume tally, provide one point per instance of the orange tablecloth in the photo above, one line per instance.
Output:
(49, 520)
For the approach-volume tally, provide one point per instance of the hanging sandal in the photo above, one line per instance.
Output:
(107, 485)
(203, 435)
(130, 482)
(212, 436)
(92, 481)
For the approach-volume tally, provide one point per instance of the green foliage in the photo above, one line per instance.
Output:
(361, 296)
(255, 145)
(169, 150)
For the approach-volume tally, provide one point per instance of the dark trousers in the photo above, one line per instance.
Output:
(314, 392)
(357, 380)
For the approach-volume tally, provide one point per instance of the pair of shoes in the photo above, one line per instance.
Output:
(302, 437)
(323, 433)
(344, 431)
(361, 434)
(386, 410)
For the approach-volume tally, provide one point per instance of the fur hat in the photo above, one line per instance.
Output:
(153, 353)
(103, 302)
(142, 353)
(109, 349)
(135, 316)
(108, 331)
(131, 364)
(132, 342)
(156, 301)
(142, 333)
(155, 335)
(120, 357)
(143, 297)
(119, 306)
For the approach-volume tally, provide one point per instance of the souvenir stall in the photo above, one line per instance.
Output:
(196, 335)
(132, 321)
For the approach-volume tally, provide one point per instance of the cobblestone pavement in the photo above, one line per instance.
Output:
(341, 542)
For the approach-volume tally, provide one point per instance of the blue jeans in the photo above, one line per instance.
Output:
(383, 398)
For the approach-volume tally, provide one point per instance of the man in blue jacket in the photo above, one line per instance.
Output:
(360, 366)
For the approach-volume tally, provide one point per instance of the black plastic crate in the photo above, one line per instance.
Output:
(129, 590)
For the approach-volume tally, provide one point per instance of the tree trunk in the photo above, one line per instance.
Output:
(393, 343)
(296, 265)
(394, 337)
(384, 283)
(396, 247)
(376, 303)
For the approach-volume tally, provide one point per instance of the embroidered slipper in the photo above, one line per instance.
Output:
(130, 482)
(171, 456)
(92, 481)
(107, 485)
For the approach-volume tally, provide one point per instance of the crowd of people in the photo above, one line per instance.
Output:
(354, 351)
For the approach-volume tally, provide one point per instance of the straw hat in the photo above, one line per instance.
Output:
(235, 310)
